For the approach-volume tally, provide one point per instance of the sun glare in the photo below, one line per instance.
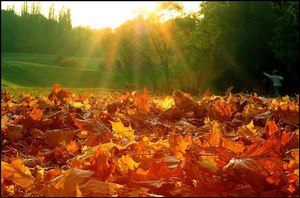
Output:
(106, 14)
(99, 14)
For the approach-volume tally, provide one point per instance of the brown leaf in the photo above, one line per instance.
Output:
(98, 132)
(14, 132)
(249, 171)
(55, 137)
(186, 103)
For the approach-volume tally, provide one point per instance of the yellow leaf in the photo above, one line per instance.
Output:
(250, 126)
(286, 98)
(121, 131)
(10, 190)
(125, 163)
(166, 103)
(76, 104)
(209, 163)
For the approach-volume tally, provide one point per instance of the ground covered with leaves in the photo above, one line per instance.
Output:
(134, 144)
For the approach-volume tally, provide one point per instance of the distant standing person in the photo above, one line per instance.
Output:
(276, 82)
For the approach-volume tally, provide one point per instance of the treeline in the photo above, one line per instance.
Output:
(225, 44)
(32, 32)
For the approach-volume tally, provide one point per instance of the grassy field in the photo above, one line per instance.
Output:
(38, 71)
(38, 91)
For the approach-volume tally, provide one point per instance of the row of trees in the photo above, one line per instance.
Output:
(224, 44)
(32, 32)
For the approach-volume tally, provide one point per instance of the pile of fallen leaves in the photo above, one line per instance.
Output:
(131, 144)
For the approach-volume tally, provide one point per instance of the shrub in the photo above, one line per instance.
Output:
(58, 58)
(67, 61)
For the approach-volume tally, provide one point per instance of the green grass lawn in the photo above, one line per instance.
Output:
(36, 74)
(38, 70)
(38, 91)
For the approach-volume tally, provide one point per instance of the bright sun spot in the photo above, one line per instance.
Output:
(99, 14)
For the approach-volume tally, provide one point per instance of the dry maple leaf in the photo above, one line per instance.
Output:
(271, 127)
(17, 172)
(97, 131)
(56, 137)
(102, 164)
(96, 187)
(142, 100)
(59, 95)
(219, 110)
(65, 184)
(121, 131)
(269, 147)
(36, 114)
(14, 132)
(249, 171)
(186, 103)
(126, 163)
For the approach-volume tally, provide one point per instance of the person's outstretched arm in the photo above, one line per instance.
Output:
(268, 75)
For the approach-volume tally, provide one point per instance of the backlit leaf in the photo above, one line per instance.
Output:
(141, 101)
(121, 131)
(65, 184)
(271, 127)
(126, 163)
(17, 172)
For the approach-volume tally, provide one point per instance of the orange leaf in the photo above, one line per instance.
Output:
(272, 145)
(72, 147)
(215, 137)
(141, 101)
(285, 137)
(236, 147)
(36, 114)
(271, 127)
(249, 171)
(17, 172)
(57, 87)
(101, 163)
(158, 170)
